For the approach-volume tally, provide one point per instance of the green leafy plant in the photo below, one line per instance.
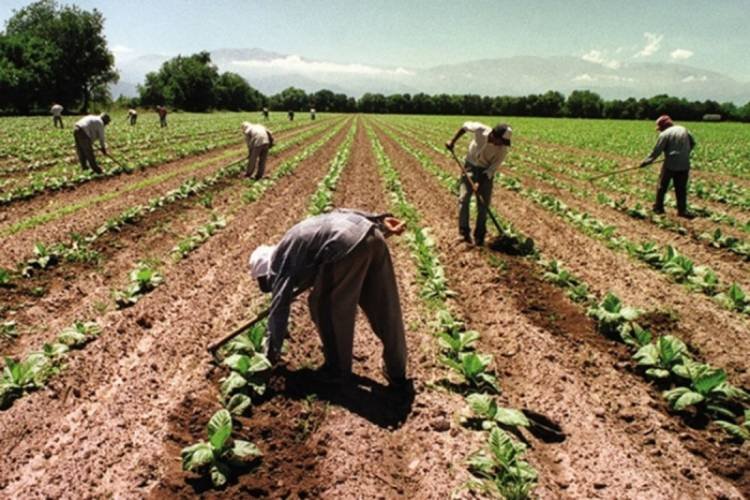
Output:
(473, 368)
(244, 381)
(704, 279)
(9, 329)
(661, 356)
(734, 298)
(79, 334)
(501, 467)
(708, 388)
(613, 318)
(216, 456)
(143, 279)
(485, 408)
(43, 258)
(5, 277)
(738, 431)
(21, 376)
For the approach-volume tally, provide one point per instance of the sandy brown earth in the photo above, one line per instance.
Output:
(623, 443)
(20, 244)
(77, 291)
(113, 422)
(633, 281)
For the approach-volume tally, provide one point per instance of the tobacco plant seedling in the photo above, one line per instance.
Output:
(734, 298)
(143, 279)
(704, 280)
(502, 467)
(244, 381)
(25, 375)
(220, 453)
(613, 318)
(9, 329)
(660, 357)
(473, 368)
(5, 277)
(485, 408)
(741, 431)
(79, 334)
(708, 388)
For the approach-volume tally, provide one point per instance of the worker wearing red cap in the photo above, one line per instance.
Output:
(676, 143)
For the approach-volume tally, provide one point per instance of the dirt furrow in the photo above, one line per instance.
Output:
(88, 218)
(720, 336)
(620, 441)
(129, 383)
(83, 291)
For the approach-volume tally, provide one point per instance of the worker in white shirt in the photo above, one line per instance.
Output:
(56, 111)
(259, 140)
(487, 150)
(87, 130)
(132, 116)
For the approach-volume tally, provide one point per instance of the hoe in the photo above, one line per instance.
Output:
(503, 243)
(616, 172)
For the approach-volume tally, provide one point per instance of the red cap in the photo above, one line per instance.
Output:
(664, 122)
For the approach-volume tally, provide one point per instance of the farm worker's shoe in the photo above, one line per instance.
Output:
(686, 215)
(658, 210)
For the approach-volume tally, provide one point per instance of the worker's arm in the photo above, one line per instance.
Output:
(100, 136)
(658, 149)
(450, 144)
(278, 317)
(691, 139)
(270, 139)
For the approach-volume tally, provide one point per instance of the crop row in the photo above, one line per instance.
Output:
(49, 183)
(695, 385)
(501, 468)
(247, 364)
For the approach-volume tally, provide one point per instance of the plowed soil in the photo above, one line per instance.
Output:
(113, 422)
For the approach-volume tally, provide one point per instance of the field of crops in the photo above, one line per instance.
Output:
(631, 330)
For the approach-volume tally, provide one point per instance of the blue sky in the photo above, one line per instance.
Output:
(707, 34)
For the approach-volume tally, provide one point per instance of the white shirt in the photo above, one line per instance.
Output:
(481, 153)
(255, 134)
(94, 128)
(132, 112)
(56, 110)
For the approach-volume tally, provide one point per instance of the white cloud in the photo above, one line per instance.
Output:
(120, 50)
(693, 78)
(297, 64)
(653, 44)
(585, 77)
(600, 57)
(681, 54)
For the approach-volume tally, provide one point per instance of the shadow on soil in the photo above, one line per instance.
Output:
(379, 404)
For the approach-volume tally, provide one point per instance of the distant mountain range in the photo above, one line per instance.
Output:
(271, 72)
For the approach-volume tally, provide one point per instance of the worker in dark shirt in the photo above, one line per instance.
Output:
(343, 256)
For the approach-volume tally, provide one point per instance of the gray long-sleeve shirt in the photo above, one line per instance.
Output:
(314, 242)
(676, 144)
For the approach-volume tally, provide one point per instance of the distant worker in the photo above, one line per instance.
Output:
(343, 256)
(259, 140)
(290, 114)
(132, 116)
(162, 111)
(312, 113)
(265, 113)
(676, 143)
(56, 111)
(87, 130)
(487, 150)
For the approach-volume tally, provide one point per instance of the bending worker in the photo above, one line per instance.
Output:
(259, 140)
(132, 116)
(344, 257)
(56, 111)
(676, 143)
(87, 130)
(487, 150)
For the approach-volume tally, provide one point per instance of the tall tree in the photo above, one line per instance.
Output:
(78, 60)
(234, 93)
(183, 82)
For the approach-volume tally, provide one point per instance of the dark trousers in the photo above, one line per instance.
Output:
(133, 119)
(257, 158)
(85, 150)
(163, 121)
(56, 120)
(364, 277)
(484, 190)
(680, 180)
